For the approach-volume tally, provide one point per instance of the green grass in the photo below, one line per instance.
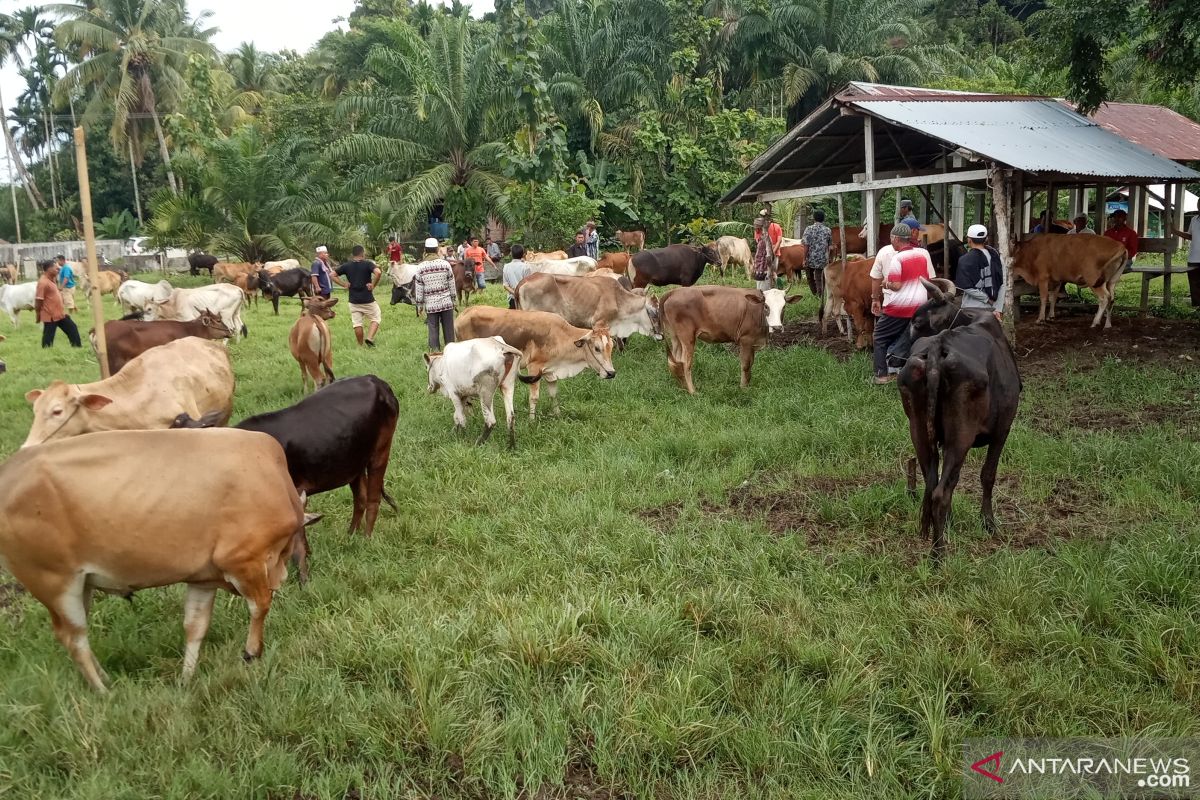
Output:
(655, 596)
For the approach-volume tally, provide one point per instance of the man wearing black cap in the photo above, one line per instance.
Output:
(905, 212)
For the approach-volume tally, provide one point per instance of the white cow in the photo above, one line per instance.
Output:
(138, 295)
(580, 265)
(18, 297)
(734, 250)
(279, 266)
(185, 305)
(473, 369)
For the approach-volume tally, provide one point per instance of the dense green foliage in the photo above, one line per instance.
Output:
(651, 109)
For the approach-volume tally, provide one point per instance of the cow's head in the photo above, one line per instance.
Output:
(433, 365)
(597, 347)
(651, 324)
(942, 310)
(773, 301)
(709, 254)
(318, 307)
(403, 293)
(266, 285)
(61, 410)
(214, 326)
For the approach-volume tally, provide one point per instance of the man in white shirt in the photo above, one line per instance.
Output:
(1192, 234)
(1081, 225)
(514, 272)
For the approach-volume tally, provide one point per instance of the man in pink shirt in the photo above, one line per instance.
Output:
(896, 294)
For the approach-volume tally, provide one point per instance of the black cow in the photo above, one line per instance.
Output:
(936, 255)
(404, 293)
(266, 284)
(199, 261)
(960, 388)
(292, 282)
(341, 435)
(678, 263)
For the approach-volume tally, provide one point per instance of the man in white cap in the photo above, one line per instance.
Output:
(434, 291)
(980, 275)
(322, 274)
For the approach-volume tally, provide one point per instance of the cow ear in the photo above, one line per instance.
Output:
(331, 302)
(581, 342)
(94, 402)
(309, 519)
(32, 396)
(755, 297)
(428, 358)
(794, 299)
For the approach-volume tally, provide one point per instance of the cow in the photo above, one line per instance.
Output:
(608, 274)
(960, 388)
(227, 272)
(464, 282)
(266, 287)
(188, 304)
(275, 267)
(617, 262)
(553, 255)
(186, 376)
(9, 274)
(1048, 261)
(292, 282)
(403, 277)
(551, 348)
(3, 366)
(733, 250)
(310, 342)
(628, 239)
(848, 291)
(108, 282)
(791, 261)
(63, 538)
(719, 314)
(137, 296)
(17, 298)
(473, 369)
(199, 261)
(579, 265)
(588, 303)
(126, 339)
(338, 436)
(677, 263)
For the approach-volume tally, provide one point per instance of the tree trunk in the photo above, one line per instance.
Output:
(162, 149)
(35, 197)
(1001, 183)
(137, 198)
(50, 160)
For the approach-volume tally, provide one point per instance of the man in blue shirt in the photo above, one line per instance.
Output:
(66, 283)
(905, 212)
(322, 274)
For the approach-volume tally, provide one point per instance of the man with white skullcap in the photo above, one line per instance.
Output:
(322, 274)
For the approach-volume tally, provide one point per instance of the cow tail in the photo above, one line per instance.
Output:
(933, 379)
(530, 378)
(511, 360)
(390, 501)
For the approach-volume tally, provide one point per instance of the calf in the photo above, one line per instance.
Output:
(464, 282)
(199, 261)
(630, 239)
(719, 314)
(960, 388)
(678, 263)
(733, 250)
(848, 291)
(552, 348)
(474, 369)
(63, 537)
(791, 261)
(619, 263)
(128, 339)
(9, 273)
(338, 436)
(135, 296)
(310, 343)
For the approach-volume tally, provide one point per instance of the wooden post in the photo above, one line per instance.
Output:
(1001, 183)
(842, 242)
(93, 263)
(870, 213)
(1170, 201)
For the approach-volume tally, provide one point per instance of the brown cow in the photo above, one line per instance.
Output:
(628, 239)
(129, 338)
(618, 262)
(552, 349)
(791, 261)
(227, 272)
(464, 283)
(108, 282)
(1048, 261)
(848, 290)
(9, 274)
(718, 314)
(310, 343)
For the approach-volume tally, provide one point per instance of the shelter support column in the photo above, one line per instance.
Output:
(870, 211)
(1001, 183)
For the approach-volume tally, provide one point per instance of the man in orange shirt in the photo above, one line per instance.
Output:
(766, 253)
(48, 306)
(475, 256)
(1124, 234)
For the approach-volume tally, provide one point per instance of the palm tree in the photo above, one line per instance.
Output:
(11, 36)
(431, 125)
(254, 76)
(133, 53)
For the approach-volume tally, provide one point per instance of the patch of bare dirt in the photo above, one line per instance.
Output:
(9, 594)
(809, 335)
(1042, 348)
(580, 781)
(1084, 413)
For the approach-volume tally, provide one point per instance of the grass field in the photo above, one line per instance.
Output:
(657, 596)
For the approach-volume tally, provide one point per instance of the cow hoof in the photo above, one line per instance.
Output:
(247, 657)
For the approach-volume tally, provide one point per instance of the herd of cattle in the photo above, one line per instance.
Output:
(172, 388)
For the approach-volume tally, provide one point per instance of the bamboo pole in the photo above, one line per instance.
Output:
(93, 263)
(1001, 184)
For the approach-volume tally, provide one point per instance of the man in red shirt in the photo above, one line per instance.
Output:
(475, 256)
(48, 306)
(1124, 234)
(395, 251)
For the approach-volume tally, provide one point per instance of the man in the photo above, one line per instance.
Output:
(515, 271)
(817, 237)
(1046, 224)
(980, 275)
(766, 251)
(434, 291)
(48, 306)
(592, 237)
(1124, 234)
(395, 252)
(905, 212)
(1081, 225)
(66, 282)
(579, 248)
(462, 249)
(475, 256)
(1192, 234)
(896, 294)
(362, 276)
(322, 274)
(493, 251)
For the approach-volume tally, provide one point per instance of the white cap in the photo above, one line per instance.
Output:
(322, 249)
(977, 232)
(431, 243)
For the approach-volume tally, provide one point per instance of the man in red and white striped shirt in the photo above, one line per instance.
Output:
(896, 294)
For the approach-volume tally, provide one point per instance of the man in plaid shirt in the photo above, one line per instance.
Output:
(434, 292)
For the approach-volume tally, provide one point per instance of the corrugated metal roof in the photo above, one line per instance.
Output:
(1155, 128)
(1037, 135)
(882, 90)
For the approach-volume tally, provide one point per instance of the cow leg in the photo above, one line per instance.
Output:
(1044, 298)
(68, 617)
(258, 598)
(689, 353)
(197, 613)
(489, 414)
(987, 479)
(300, 555)
(534, 391)
(910, 478)
(943, 496)
(510, 414)
(358, 492)
(552, 391)
(747, 363)
(460, 413)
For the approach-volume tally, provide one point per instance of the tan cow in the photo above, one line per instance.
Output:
(618, 262)
(719, 314)
(630, 239)
(187, 376)
(592, 303)
(848, 291)
(551, 348)
(228, 272)
(553, 255)
(9, 274)
(108, 282)
(311, 344)
(733, 250)
(215, 509)
(1048, 261)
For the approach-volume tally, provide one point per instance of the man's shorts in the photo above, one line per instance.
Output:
(361, 311)
(68, 298)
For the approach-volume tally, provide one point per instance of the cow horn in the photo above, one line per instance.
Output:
(935, 290)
